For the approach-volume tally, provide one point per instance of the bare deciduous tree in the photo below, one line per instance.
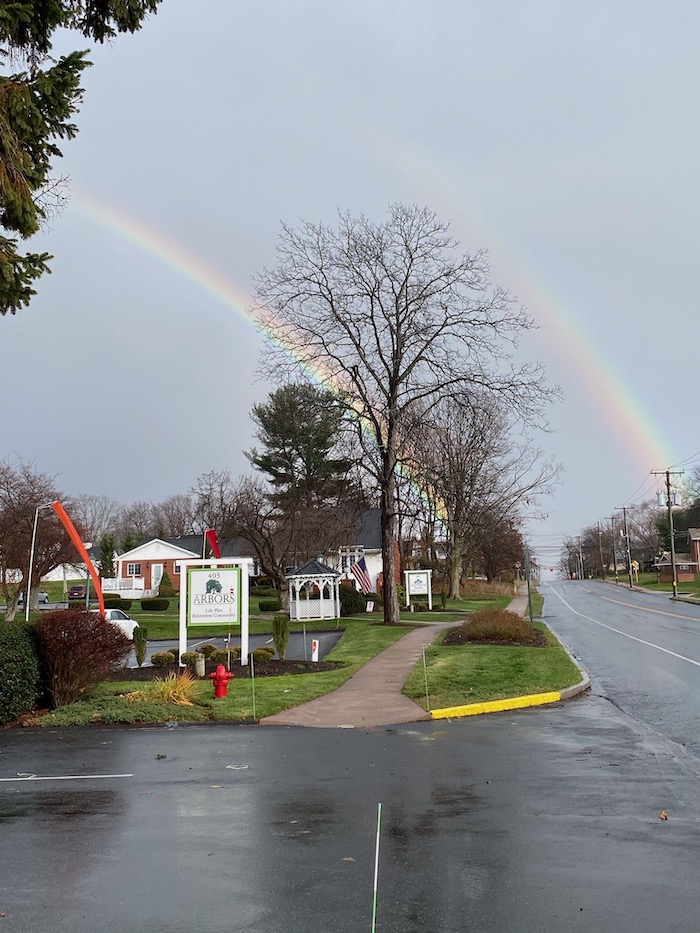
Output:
(483, 474)
(22, 490)
(391, 314)
(97, 515)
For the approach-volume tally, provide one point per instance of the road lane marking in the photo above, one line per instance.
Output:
(62, 777)
(659, 612)
(642, 641)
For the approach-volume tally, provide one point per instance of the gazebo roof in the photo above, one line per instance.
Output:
(314, 568)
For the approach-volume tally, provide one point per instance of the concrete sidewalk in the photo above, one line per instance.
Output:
(372, 696)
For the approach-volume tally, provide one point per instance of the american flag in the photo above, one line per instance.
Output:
(359, 572)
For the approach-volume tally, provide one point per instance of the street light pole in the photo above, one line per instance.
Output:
(28, 584)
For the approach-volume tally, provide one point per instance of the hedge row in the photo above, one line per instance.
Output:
(19, 670)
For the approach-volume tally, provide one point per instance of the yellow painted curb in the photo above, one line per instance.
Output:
(496, 706)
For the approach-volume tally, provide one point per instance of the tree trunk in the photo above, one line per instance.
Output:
(390, 595)
(455, 566)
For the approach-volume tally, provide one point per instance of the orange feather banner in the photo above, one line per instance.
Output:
(77, 541)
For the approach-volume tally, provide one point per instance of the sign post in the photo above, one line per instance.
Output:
(214, 592)
(418, 583)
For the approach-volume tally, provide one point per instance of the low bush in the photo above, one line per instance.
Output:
(175, 688)
(280, 635)
(219, 656)
(162, 658)
(154, 604)
(19, 670)
(270, 605)
(207, 650)
(496, 625)
(119, 603)
(352, 601)
(262, 654)
(78, 648)
(113, 602)
(190, 658)
(263, 591)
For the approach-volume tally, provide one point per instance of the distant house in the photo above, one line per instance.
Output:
(140, 570)
(364, 540)
(694, 542)
(686, 568)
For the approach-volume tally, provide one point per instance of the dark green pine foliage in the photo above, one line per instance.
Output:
(108, 547)
(36, 107)
(299, 427)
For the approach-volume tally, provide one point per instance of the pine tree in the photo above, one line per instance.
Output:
(299, 427)
(36, 107)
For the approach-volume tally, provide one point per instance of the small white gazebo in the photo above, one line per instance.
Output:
(314, 592)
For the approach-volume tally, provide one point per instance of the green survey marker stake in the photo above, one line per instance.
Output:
(376, 868)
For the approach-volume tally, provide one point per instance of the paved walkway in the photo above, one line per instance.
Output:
(372, 696)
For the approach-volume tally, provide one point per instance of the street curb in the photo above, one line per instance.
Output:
(533, 699)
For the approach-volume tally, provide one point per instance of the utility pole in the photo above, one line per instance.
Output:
(669, 503)
(622, 509)
(527, 578)
(580, 559)
(600, 548)
(612, 532)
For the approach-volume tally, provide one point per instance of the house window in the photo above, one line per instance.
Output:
(133, 570)
(176, 568)
(350, 556)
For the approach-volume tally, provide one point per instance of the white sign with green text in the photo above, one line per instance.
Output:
(213, 595)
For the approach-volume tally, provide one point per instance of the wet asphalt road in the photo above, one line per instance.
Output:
(547, 819)
(642, 651)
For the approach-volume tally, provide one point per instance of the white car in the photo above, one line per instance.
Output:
(120, 618)
(43, 598)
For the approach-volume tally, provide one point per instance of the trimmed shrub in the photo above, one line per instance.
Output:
(496, 625)
(270, 605)
(162, 658)
(154, 604)
(190, 658)
(19, 670)
(78, 649)
(262, 654)
(219, 656)
(263, 591)
(112, 601)
(280, 635)
(352, 601)
(165, 587)
(140, 643)
(207, 650)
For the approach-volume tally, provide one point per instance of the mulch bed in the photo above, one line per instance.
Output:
(272, 668)
(458, 636)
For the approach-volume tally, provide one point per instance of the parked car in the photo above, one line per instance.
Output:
(43, 597)
(120, 618)
(77, 592)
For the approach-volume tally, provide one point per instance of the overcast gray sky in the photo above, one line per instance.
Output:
(561, 136)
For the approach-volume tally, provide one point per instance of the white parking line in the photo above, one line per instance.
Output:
(62, 777)
(649, 644)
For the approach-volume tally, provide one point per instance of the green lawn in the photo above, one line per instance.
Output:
(456, 675)
(361, 641)
(648, 581)
(463, 674)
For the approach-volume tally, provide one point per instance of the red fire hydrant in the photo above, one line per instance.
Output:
(221, 678)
